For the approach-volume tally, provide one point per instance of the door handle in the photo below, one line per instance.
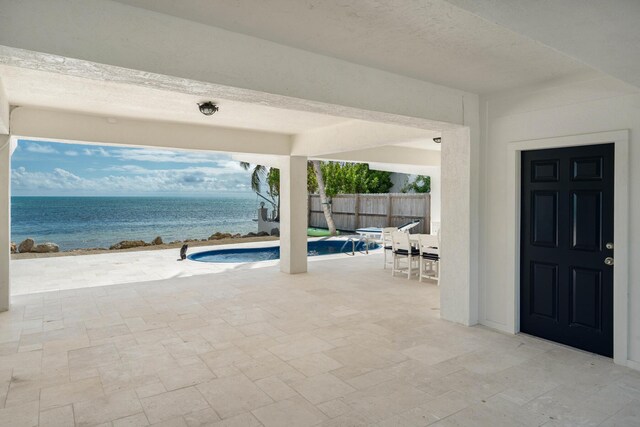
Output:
(608, 260)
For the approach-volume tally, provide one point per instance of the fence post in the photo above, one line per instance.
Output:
(388, 209)
(357, 212)
(427, 214)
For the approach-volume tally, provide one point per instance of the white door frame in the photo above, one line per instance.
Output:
(620, 139)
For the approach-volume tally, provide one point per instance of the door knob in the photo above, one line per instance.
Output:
(609, 245)
(608, 260)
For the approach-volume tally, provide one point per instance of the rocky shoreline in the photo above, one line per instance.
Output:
(29, 246)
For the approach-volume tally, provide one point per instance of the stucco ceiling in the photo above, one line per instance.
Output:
(26, 87)
(431, 40)
(603, 34)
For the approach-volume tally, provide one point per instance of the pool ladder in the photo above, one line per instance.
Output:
(354, 242)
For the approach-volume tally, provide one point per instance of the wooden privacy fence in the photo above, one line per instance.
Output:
(353, 211)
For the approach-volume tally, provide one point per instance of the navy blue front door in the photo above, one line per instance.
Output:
(566, 276)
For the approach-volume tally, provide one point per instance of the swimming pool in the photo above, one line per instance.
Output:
(314, 248)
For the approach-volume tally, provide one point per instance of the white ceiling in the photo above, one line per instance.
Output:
(430, 40)
(27, 87)
(603, 34)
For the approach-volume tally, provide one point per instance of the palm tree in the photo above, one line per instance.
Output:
(326, 209)
(270, 176)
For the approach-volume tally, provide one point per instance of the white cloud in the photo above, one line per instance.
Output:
(187, 180)
(165, 156)
(96, 152)
(40, 149)
(72, 153)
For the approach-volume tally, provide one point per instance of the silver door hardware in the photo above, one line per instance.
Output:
(608, 260)
(609, 245)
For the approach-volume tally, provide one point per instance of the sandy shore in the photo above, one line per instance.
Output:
(77, 252)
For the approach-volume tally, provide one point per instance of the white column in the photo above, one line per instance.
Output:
(293, 215)
(5, 219)
(458, 269)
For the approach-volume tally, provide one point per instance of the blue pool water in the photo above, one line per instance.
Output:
(314, 248)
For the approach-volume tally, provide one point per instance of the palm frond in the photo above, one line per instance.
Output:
(257, 176)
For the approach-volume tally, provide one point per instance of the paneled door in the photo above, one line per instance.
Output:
(566, 257)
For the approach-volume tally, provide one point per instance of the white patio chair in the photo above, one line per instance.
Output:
(386, 244)
(402, 249)
(429, 257)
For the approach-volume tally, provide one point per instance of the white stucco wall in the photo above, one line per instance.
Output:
(570, 108)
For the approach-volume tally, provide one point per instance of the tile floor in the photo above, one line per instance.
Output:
(345, 345)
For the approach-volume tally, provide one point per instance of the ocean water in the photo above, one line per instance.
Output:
(89, 222)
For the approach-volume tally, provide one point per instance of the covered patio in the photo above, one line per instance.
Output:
(338, 341)
(342, 345)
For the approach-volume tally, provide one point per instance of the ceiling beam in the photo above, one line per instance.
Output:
(136, 46)
(388, 155)
(354, 135)
(67, 126)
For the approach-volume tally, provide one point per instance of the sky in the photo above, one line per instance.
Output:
(55, 169)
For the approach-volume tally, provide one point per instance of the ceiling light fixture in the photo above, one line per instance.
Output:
(208, 108)
(437, 140)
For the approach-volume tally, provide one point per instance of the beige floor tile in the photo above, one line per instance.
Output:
(64, 394)
(57, 417)
(107, 408)
(323, 387)
(150, 390)
(291, 412)
(25, 415)
(371, 378)
(242, 420)
(225, 357)
(370, 344)
(185, 376)
(93, 357)
(276, 388)
(314, 364)
(233, 395)
(300, 347)
(416, 417)
(626, 417)
(263, 367)
(136, 420)
(447, 404)
(334, 408)
(174, 422)
(348, 420)
(385, 400)
(172, 404)
(203, 418)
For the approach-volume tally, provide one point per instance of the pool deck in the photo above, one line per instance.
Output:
(53, 274)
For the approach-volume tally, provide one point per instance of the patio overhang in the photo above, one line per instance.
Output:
(239, 69)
